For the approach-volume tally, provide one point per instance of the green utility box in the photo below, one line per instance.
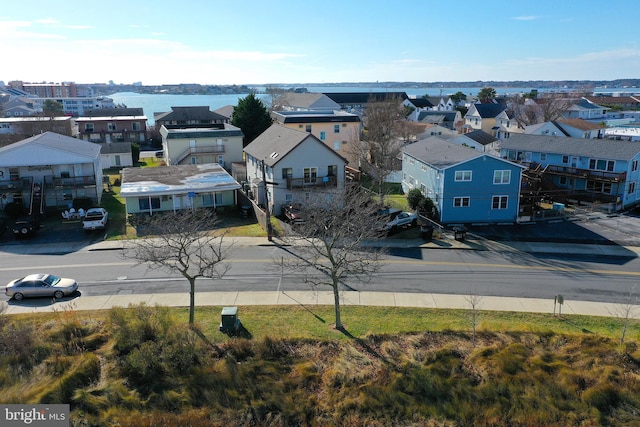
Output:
(230, 323)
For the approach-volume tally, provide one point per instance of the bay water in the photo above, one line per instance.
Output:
(160, 103)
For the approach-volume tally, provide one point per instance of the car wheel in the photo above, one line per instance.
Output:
(24, 230)
(18, 296)
(414, 222)
(58, 294)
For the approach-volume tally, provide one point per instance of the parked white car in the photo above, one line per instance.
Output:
(95, 219)
(403, 219)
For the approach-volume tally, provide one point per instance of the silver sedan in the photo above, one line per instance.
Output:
(40, 285)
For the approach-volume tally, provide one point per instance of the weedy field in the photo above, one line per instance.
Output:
(413, 367)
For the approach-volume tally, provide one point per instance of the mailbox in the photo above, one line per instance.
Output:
(229, 322)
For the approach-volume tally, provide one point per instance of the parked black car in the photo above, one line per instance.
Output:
(25, 227)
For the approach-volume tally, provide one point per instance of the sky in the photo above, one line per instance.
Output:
(309, 41)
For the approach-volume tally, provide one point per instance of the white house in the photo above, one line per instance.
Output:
(293, 166)
(115, 155)
(170, 188)
(574, 128)
(219, 143)
(61, 168)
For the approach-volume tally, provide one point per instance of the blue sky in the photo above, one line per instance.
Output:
(308, 41)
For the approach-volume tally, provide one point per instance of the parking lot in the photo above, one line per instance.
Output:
(52, 230)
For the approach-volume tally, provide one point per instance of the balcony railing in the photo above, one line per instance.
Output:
(311, 182)
(69, 182)
(586, 173)
(209, 149)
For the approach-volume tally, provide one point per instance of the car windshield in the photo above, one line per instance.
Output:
(51, 280)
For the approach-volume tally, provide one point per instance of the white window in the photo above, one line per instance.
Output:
(288, 198)
(565, 160)
(135, 126)
(310, 175)
(502, 177)
(632, 187)
(499, 202)
(634, 165)
(461, 202)
(336, 145)
(323, 136)
(336, 128)
(111, 127)
(88, 127)
(463, 176)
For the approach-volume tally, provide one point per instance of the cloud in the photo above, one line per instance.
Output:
(47, 21)
(526, 18)
(230, 55)
(20, 33)
(78, 27)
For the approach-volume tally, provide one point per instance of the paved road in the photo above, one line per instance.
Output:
(584, 265)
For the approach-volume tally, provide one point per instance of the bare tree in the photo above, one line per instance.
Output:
(274, 98)
(381, 142)
(530, 110)
(182, 242)
(474, 301)
(625, 311)
(525, 111)
(554, 105)
(333, 246)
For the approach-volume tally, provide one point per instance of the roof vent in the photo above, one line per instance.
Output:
(274, 155)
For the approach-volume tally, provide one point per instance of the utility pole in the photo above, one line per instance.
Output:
(266, 203)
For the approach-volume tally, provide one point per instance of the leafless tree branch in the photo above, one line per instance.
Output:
(183, 242)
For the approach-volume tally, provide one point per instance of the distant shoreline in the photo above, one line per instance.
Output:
(620, 85)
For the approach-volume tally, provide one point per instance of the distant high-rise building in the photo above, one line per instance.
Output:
(47, 90)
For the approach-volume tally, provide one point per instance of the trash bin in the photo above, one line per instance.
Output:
(459, 233)
(229, 322)
(426, 231)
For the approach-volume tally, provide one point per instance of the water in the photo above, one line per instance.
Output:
(160, 103)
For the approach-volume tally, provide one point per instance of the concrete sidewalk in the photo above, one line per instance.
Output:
(310, 298)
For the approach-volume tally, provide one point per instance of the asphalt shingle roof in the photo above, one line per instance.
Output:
(596, 148)
(363, 97)
(188, 113)
(481, 137)
(489, 111)
(59, 142)
(439, 153)
(276, 142)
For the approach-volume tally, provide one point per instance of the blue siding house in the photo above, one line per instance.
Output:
(592, 170)
(467, 186)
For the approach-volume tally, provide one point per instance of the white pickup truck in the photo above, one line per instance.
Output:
(95, 219)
